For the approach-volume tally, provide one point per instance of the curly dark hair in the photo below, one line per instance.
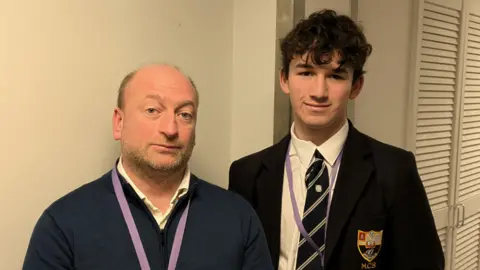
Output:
(325, 32)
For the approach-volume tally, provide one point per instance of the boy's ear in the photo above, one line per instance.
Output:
(357, 87)
(284, 82)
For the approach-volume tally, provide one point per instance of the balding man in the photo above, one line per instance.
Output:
(149, 211)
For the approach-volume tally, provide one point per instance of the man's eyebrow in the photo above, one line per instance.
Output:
(178, 107)
(186, 104)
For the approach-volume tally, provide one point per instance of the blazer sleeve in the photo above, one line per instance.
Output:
(48, 247)
(240, 182)
(416, 244)
(233, 177)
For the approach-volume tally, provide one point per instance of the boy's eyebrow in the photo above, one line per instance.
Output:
(309, 66)
(340, 70)
(303, 65)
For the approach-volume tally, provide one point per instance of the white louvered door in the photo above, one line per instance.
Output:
(435, 106)
(467, 240)
(467, 214)
(445, 122)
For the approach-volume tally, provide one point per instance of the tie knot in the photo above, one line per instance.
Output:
(317, 156)
(316, 164)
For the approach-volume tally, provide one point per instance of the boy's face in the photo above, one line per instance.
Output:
(319, 94)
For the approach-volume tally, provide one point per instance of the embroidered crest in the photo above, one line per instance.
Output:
(369, 244)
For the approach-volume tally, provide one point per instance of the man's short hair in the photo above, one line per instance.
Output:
(126, 80)
(324, 32)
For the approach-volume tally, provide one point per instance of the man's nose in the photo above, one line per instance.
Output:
(168, 125)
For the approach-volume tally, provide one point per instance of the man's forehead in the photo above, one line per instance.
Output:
(161, 76)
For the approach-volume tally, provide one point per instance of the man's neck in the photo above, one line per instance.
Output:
(317, 135)
(157, 186)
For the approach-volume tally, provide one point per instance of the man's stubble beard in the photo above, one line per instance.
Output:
(149, 169)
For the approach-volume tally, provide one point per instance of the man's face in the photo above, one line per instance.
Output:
(319, 94)
(156, 126)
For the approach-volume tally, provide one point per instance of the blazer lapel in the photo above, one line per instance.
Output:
(269, 194)
(355, 171)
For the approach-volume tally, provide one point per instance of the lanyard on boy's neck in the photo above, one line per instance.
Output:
(296, 214)
(137, 242)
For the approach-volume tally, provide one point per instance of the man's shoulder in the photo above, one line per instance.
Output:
(233, 218)
(81, 197)
(222, 198)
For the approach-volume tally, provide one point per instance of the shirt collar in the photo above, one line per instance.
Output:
(181, 190)
(330, 149)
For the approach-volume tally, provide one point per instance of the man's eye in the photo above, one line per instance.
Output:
(151, 110)
(186, 116)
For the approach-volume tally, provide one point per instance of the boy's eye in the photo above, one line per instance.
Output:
(306, 73)
(336, 77)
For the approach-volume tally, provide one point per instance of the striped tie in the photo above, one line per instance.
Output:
(315, 213)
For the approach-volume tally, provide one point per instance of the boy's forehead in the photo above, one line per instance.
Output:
(301, 62)
(325, 60)
(320, 57)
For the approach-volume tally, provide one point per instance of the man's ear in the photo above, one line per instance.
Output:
(284, 82)
(356, 87)
(117, 123)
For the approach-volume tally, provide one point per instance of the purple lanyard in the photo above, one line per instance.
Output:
(132, 228)
(296, 214)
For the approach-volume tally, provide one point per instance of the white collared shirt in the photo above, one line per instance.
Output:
(301, 155)
(160, 217)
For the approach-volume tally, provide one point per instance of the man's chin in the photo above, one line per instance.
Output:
(165, 163)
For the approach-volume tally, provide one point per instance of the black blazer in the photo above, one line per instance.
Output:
(378, 189)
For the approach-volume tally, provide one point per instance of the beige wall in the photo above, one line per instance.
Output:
(61, 63)
(381, 108)
(253, 81)
(341, 6)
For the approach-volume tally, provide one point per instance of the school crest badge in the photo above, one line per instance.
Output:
(369, 244)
